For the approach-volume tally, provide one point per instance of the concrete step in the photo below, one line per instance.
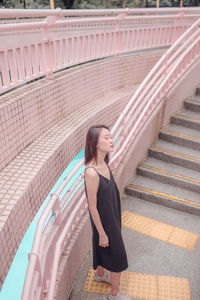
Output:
(170, 174)
(193, 103)
(176, 154)
(181, 135)
(165, 194)
(187, 118)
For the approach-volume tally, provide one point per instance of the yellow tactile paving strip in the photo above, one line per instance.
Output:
(159, 230)
(187, 117)
(169, 173)
(144, 286)
(162, 194)
(176, 153)
(181, 134)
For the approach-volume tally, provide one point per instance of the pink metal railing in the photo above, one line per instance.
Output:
(51, 235)
(164, 74)
(50, 239)
(23, 14)
(59, 39)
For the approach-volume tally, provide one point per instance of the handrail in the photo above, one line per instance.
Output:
(41, 233)
(177, 60)
(155, 69)
(19, 13)
(88, 21)
(169, 62)
(67, 22)
(50, 44)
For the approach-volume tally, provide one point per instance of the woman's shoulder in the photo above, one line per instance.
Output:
(91, 172)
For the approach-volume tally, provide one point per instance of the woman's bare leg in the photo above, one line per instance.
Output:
(100, 270)
(115, 282)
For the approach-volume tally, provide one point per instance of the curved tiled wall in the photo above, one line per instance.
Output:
(29, 111)
(43, 126)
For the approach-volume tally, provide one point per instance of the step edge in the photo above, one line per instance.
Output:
(186, 118)
(192, 101)
(178, 154)
(165, 173)
(180, 135)
(163, 195)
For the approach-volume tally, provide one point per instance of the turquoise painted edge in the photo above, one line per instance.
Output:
(13, 283)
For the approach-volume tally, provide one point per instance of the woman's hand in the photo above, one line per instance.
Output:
(103, 240)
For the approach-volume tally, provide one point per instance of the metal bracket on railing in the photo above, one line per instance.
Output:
(37, 265)
(163, 110)
(56, 210)
(53, 217)
(81, 176)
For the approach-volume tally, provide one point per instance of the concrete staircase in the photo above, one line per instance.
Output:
(170, 176)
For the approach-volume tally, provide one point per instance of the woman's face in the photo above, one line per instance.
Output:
(105, 142)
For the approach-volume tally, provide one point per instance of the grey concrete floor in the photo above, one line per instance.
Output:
(149, 255)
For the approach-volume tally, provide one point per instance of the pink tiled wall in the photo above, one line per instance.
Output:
(29, 111)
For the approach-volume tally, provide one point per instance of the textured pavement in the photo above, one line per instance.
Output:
(150, 255)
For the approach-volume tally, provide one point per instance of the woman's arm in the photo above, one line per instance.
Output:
(92, 184)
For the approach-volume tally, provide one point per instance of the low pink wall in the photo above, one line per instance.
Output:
(73, 256)
(30, 111)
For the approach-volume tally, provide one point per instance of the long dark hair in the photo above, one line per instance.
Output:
(91, 143)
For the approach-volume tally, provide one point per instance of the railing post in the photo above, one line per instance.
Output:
(180, 21)
(34, 264)
(118, 34)
(49, 49)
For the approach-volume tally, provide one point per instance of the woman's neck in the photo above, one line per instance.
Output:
(100, 162)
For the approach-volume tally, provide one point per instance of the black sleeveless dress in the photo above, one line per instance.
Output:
(113, 257)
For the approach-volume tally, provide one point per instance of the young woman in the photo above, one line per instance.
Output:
(105, 210)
